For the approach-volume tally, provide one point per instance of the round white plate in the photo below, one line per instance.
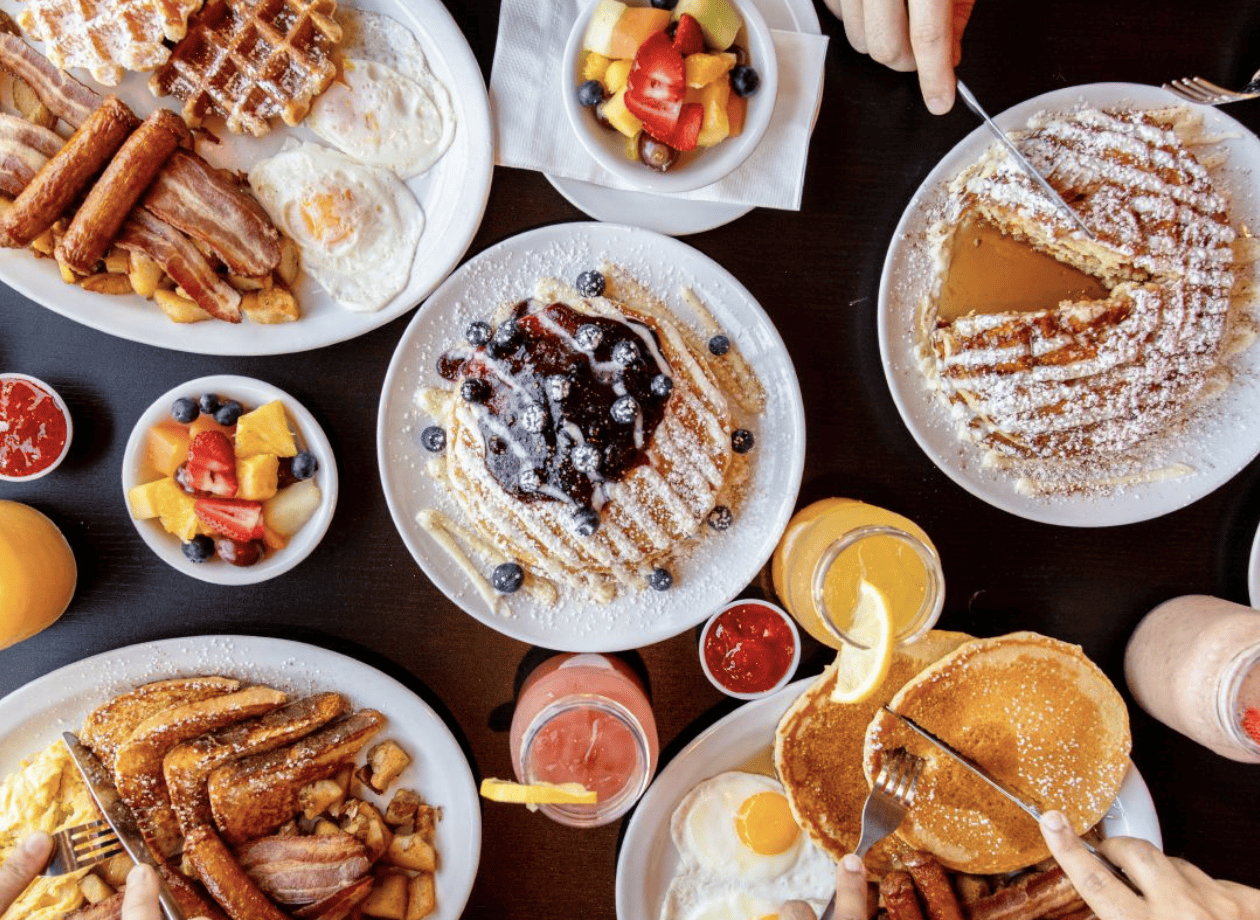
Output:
(1220, 441)
(34, 716)
(1253, 573)
(721, 564)
(679, 217)
(453, 195)
(742, 740)
(310, 436)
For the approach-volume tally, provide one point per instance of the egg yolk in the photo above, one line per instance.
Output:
(324, 215)
(765, 823)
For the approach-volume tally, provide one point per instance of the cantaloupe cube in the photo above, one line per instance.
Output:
(292, 507)
(257, 477)
(140, 500)
(703, 69)
(206, 422)
(175, 509)
(736, 111)
(715, 126)
(166, 446)
(636, 25)
(615, 112)
(265, 431)
(616, 75)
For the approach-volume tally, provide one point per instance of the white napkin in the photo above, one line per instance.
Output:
(532, 131)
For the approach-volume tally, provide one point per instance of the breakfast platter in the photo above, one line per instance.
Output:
(1218, 441)
(35, 716)
(449, 200)
(719, 566)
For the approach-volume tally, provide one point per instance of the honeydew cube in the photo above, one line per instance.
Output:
(715, 125)
(616, 114)
(175, 509)
(702, 69)
(616, 75)
(291, 507)
(265, 431)
(166, 447)
(599, 32)
(636, 25)
(257, 477)
(719, 21)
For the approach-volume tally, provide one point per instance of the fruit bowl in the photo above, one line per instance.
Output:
(138, 469)
(694, 169)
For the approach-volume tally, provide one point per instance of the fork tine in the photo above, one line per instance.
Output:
(1188, 91)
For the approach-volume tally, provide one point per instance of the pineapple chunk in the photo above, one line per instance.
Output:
(703, 68)
(290, 508)
(616, 114)
(166, 447)
(257, 477)
(175, 509)
(140, 500)
(715, 125)
(592, 67)
(265, 431)
(616, 76)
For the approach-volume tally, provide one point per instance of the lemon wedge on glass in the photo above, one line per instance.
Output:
(502, 790)
(862, 665)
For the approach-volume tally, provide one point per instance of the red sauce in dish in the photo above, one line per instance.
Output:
(33, 428)
(749, 648)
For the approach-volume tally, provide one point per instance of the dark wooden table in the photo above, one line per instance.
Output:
(816, 273)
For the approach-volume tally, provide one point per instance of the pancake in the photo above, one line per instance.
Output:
(1033, 710)
(818, 753)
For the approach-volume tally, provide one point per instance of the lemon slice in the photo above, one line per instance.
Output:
(502, 790)
(860, 671)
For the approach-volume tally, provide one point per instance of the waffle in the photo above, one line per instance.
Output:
(650, 498)
(107, 37)
(1093, 381)
(1037, 714)
(252, 60)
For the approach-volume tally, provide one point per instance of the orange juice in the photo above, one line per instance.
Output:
(37, 572)
(833, 545)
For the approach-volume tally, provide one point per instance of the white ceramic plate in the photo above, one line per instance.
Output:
(720, 565)
(310, 436)
(453, 195)
(743, 740)
(1253, 572)
(34, 716)
(1220, 442)
(660, 212)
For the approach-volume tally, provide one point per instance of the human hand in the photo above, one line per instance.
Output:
(851, 901)
(922, 35)
(1172, 889)
(23, 864)
(140, 895)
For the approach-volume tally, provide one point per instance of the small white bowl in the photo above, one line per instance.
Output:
(251, 394)
(65, 413)
(796, 648)
(608, 146)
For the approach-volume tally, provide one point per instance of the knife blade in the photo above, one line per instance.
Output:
(974, 104)
(1010, 794)
(120, 817)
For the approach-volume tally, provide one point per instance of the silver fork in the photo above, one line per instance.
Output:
(890, 798)
(81, 847)
(1204, 92)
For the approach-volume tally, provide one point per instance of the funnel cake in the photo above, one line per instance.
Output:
(1062, 393)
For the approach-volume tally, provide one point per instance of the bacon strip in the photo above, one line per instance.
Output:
(24, 149)
(64, 176)
(183, 261)
(129, 173)
(1031, 897)
(65, 96)
(205, 203)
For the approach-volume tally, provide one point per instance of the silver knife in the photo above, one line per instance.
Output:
(1001, 787)
(974, 105)
(120, 817)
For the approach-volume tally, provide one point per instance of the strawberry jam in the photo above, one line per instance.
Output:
(34, 427)
(749, 647)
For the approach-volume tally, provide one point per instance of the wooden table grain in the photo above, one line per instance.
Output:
(816, 273)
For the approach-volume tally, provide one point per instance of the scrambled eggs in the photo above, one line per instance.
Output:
(46, 793)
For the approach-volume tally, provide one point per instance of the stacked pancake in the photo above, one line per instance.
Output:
(1033, 710)
(1087, 382)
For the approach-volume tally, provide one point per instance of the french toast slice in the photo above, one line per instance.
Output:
(187, 766)
(110, 724)
(138, 764)
(252, 797)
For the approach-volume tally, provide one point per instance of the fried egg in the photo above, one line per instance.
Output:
(741, 853)
(357, 226)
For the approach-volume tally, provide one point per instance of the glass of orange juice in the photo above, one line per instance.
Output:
(833, 545)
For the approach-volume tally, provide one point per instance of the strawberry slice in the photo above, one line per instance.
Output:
(656, 85)
(688, 39)
(687, 131)
(211, 466)
(236, 518)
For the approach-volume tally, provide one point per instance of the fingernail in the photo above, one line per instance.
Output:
(1054, 821)
(938, 105)
(851, 862)
(35, 843)
(140, 873)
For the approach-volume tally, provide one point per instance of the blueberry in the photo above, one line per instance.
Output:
(625, 352)
(507, 578)
(588, 337)
(585, 521)
(585, 458)
(664, 4)
(590, 93)
(433, 438)
(530, 480)
(624, 409)
(199, 549)
(720, 518)
(475, 390)
(744, 80)
(228, 412)
(184, 410)
(742, 440)
(719, 345)
(478, 333)
(558, 387)
(209, 403)
(534, 418)
(591, 283)
(661, 386)
(504, 339)
(660, 580)
(305, 464)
